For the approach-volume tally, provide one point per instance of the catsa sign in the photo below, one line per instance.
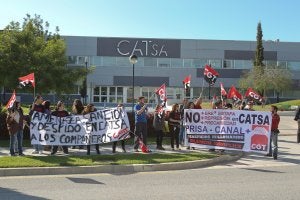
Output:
(139, 47)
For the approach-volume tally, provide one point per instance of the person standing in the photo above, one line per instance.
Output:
(77, 109)
(273, 150)
(90, 108)
(21, 127)
(297, 118)
(114, 145)
(158, 124)
(182, 127)
(38, 107)
(174, 124)
(60, 112)
(140, 131)
(12, 121)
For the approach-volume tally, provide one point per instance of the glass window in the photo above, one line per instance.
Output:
(112, 91)
(96, 91)
(96, 98)
(281, 64)
(119, 99)
(140, 62)
(163, 62)
(71, 59)
(228, 64)
(119, 91)
(129, 95)
(150, 62)
(294, 65)
(243, 64)
(188, 63)
(216, 63)
(176, 62)
(109, 61)
(112, 99)
(123, 61)
(103, 99)
(103, 90)
(200, 63)
(96, 60)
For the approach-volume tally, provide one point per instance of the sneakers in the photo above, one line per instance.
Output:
(136, 150)
(269, 155)
(160, 148)
(21, 154)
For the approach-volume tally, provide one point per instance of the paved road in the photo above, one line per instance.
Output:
(252, 177)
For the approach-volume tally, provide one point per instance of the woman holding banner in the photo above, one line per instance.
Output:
(60, 112)
(90, 108)
(77, 109)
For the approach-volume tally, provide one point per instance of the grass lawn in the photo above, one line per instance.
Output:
(93, 160)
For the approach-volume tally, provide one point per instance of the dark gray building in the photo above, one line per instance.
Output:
(169, 61)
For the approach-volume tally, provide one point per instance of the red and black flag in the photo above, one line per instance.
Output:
(187, 85)
(234, 94)
(223, 92)
(252, 95)
(12, 100)
(26, 80)
(210, 75)
(161, 95)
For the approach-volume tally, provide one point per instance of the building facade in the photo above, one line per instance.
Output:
(169, 61)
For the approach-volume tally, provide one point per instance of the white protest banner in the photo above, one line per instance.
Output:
(101, 126)
(228, 129)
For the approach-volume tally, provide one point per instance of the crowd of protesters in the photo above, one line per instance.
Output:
(16, 120)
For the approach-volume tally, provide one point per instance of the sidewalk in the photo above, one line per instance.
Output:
(229, 156)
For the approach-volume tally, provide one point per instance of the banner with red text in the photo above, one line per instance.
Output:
(102, 126)
(240, 130)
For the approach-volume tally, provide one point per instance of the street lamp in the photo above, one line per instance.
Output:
(86, 74)
(133, 59)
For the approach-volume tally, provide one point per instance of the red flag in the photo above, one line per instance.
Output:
(161, 95)
(25, 80)
(187, 85)
(143, 147)
(223, 91)
(234, 94)
(210, 75)
(250, 93)
(12, 100)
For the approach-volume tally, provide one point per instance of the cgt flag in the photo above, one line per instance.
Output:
(12, 100)
(210, 75)
(26, 80)
(187, 85)
(252, 95)
(161, 95)
(223, 92)
(234, 94)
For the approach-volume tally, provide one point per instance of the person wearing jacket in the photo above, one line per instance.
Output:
(158, 124)
(297, 119)
(12, 121)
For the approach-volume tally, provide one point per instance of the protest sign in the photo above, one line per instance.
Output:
(101, 126)
(228, 129)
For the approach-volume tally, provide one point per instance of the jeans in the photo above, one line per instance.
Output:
(38, 147)
(20, 141)
(181, 134)
(159, 138)
(174, 132)
(140, 132)
(274, 144)
(12, 138)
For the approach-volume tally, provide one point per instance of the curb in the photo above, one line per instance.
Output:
(118, 168)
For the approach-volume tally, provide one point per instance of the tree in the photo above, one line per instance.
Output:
(261, 77)
(32, 48)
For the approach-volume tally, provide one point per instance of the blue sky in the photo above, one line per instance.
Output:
(182, 19)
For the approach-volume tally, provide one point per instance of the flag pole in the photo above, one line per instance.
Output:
(208, 91)
(33, 92)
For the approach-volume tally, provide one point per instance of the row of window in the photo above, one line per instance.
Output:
(113, 94)
(177, 62)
